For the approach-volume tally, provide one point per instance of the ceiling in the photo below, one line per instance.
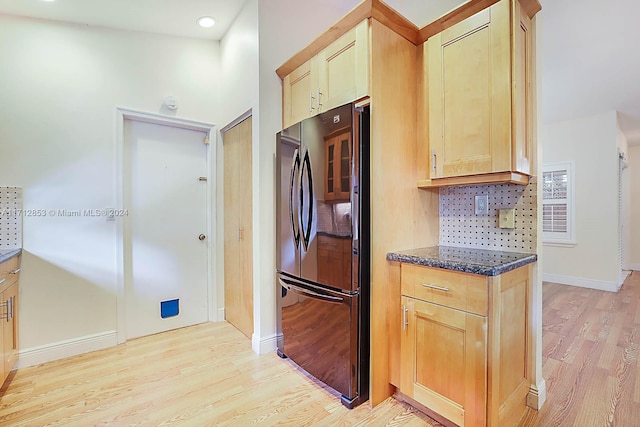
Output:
(587, 60)
(173, 17)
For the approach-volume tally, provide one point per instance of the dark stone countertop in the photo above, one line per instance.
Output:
(468, 260)
(7, 254)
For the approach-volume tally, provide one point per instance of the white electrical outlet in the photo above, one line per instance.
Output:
(482, 205)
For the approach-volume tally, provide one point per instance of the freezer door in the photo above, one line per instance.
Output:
(319, 332)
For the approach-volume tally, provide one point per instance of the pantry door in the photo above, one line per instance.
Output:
(238, 234)
(165, 227)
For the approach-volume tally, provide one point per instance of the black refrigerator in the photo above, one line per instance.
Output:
(322, 249)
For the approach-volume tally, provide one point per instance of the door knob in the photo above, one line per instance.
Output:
(202, 237)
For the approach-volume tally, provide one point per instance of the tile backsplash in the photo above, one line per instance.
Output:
(10, 217)
(461, 227)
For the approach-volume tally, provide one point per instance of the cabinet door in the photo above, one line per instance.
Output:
(343, 68)
(469, 95)
(299, 94)
(338, 168)
(443, 356)
(10, 328)
(522, 91)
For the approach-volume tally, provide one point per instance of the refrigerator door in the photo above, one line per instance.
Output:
(320, 333)
(326, 199)
(288, 236)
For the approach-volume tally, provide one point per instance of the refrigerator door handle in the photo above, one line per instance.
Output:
(306, 228)
(311, 294)
(295, 228)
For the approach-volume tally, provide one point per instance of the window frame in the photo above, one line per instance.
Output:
(567, 238)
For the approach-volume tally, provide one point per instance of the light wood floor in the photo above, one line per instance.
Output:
(197, 376)
(208, 375)
(591, 343)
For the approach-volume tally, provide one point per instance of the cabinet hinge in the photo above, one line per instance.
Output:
(433, 161)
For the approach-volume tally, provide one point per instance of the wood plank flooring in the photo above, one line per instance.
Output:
(197, 376)
(591, 343)
(208, 375)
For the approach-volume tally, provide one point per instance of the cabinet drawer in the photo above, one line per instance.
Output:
(9, 272)
(463, 291)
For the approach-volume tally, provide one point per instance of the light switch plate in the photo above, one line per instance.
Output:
(506, 218)
(482, 205)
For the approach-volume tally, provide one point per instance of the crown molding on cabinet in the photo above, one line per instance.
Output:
(384, 14)
(375, 9)
(470, 8)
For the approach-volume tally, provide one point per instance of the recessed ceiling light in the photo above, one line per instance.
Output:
(206, 22)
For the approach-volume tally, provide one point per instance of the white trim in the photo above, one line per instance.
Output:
(264, 345)
(635, 267)
(601, 285)
(160, 119)
(220, 317)
(241, 118)
(560, 244)
(123, 114)
(61, 349)
(537, 395)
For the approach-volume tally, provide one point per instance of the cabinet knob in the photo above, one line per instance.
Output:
(202, 237)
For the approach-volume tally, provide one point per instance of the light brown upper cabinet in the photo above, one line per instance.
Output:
(338, 74)
(297, 97)
(479, 99)
(337, 172)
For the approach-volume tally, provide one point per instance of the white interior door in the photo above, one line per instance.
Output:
(164, 257)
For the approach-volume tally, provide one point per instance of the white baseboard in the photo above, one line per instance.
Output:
(600, 285)
(61, 349)
(220, 317)
(635, 267)
(264, 345)
(623, 276)
(537, 395)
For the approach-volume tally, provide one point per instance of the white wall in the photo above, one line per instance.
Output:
(61, 85)
(592, 143)
(634, 170)
(239, 65)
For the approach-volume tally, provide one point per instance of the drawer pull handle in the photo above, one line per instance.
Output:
(2, 281)
(437, 288)
(16, 271)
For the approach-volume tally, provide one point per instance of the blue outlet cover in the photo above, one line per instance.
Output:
(169, 308)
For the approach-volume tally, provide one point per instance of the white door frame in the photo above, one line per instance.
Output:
(123, 114)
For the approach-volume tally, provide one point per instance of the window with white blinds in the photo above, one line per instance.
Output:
(558, 203)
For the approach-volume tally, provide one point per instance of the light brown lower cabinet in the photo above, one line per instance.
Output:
(9, 275)
(464, 344)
